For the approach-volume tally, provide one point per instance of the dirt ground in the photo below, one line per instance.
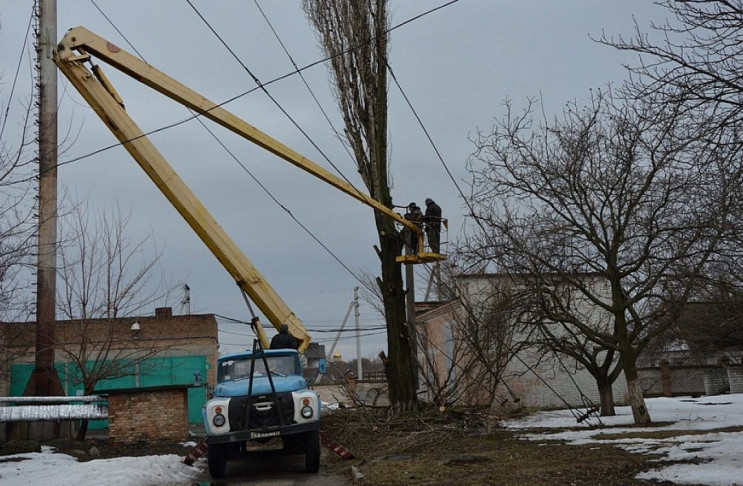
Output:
(433, 448)
(463, 448)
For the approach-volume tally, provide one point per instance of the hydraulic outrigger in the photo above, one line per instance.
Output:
(79, 45)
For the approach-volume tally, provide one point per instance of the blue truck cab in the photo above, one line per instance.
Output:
(261, 395)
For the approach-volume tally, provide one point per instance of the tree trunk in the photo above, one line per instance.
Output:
(606, 395)
(401, 378)
(82, 431)
(636, 400)
(400, 370)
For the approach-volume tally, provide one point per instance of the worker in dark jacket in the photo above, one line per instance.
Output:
(415, 215)
(432, 219)
(284, 340)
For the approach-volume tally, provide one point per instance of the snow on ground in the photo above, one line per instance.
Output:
(696, 421)
(52, 469)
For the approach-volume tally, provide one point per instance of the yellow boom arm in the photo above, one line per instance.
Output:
(99, 93)
(77, 47)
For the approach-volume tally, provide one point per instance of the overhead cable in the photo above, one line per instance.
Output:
(17, 71)
(270, 96)
(242, 165)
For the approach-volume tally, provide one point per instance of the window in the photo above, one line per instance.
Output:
(239, 369)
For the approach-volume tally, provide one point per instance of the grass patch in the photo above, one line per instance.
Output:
(664, 434)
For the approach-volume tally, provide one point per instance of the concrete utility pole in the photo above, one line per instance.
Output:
(44, 380)
(412, 325)
(435, 277)
(359, 369)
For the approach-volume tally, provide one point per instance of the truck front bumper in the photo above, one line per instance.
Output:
(255, 434)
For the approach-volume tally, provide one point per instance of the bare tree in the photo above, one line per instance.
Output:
(694, 61)
(691, 64)
(552, 304)
(17, 224)
(444, 365)
(512, 318)
(468, 365)
(466, 344)
(104, 277)
(103, 273)
(615, 189)
(354, 37)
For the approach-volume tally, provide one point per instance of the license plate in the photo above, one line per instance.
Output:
(260, 435)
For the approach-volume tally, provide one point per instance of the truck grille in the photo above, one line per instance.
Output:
(262, 412)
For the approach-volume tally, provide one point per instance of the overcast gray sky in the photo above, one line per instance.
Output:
(457, 65)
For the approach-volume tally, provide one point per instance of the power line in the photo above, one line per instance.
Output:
(116, 29)
(197, 116)
(183, 121)
(321, 340)
(472, 213)
(316, 330)
(304, 81)
(262, 85)
(232, 333)
(236, 159)
(441, 159)
(282, 206)
(350, 329)
(257, 81)
(270, 96)
(428, 135)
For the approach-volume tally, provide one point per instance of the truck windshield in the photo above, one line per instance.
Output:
(236, 369)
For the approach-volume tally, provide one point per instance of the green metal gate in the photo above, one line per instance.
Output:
(175, 370)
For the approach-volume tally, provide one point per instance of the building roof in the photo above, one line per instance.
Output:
(192, 326)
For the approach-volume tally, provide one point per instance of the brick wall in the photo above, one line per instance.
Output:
(148, 416)
(735, 378)
(374, 394)
(554, 386)
(685, 380)
(716, 381)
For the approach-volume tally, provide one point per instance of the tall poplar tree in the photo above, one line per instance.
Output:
(354, 36)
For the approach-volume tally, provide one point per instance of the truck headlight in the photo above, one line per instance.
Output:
(219, 420)
(306, 412)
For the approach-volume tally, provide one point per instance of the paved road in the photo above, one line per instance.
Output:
(270, 468)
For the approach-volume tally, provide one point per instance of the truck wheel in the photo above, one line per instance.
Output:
(291, 444)
(312, 451)
(217, 459)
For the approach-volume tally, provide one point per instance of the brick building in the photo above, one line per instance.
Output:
(152, 351)
(704, 363)
(530, 377)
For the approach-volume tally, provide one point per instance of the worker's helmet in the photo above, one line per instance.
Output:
(429, 201)
(412, 205)
(284, 328)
